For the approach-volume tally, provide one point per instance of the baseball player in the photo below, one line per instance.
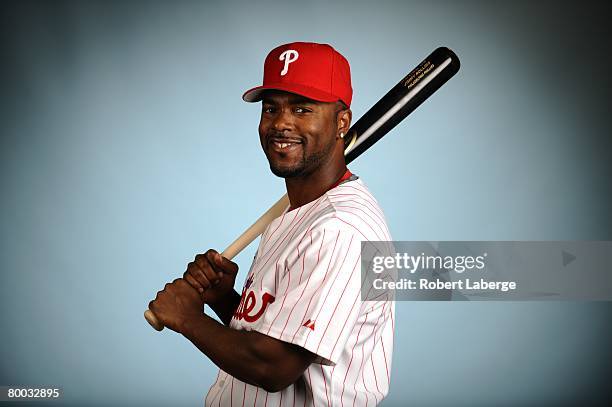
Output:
(298, 333)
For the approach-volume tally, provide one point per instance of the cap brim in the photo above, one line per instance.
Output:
(256, 94)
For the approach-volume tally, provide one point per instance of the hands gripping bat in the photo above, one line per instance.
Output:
(391, 109)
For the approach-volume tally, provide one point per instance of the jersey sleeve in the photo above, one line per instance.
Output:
(318, 298)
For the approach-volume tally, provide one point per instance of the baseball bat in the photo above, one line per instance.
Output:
(391, 109)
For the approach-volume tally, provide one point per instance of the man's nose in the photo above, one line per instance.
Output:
(283, 120)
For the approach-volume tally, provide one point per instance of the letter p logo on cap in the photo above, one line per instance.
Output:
(288, 56)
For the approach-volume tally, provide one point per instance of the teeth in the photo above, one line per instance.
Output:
(282, 145)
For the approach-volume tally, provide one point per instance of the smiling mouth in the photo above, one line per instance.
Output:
(283, 144)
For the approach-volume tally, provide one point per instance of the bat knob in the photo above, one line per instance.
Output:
(152, 320)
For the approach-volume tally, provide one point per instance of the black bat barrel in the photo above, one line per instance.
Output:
(400, 101)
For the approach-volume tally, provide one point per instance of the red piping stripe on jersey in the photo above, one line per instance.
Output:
(373, 221)
(327, 273)
(287, 235)
(283, 303)
(304, 289)
(274, 231)
(379, 335)
(335, 308)
(325, 382)
(374, 231)
(367, 194)
(372, 203)
(348, 368)
(332, 286)
(385, 358)
(335, 202)
(347, 174)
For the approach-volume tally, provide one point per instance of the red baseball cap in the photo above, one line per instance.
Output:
(315, 71)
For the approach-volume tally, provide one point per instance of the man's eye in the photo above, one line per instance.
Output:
(268, 109)
(300, 109)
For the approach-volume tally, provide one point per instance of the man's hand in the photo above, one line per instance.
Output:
(177, 303)
(212, 275)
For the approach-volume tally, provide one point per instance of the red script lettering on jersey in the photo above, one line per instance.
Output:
(248, 303)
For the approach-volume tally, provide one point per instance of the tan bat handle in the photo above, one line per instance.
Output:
(239, 244)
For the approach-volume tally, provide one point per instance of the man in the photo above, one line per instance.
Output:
(299, 334)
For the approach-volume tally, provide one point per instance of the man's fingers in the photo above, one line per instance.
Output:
(202, 277)
(204, 267)
(193, 282)
(221, 263)
(208, 268)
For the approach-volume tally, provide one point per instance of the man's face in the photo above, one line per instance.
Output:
(297, 134)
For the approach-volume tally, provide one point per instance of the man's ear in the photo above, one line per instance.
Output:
(344, 121)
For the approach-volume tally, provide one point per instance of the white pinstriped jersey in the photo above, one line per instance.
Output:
(304, 288)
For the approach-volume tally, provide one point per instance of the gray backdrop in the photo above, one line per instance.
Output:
(126, 150)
